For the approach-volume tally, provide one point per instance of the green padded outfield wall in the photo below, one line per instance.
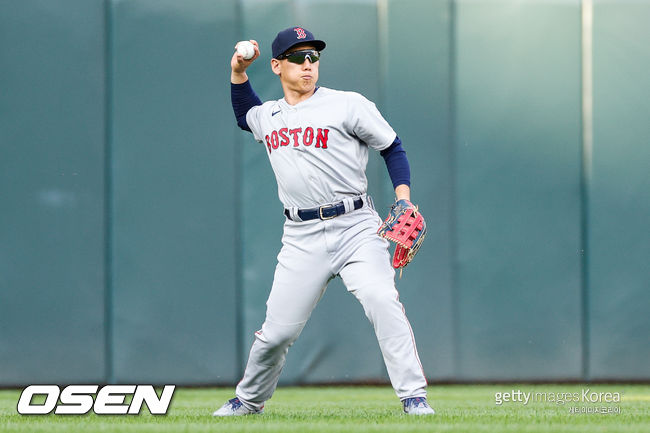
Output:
(139, 227)
(619, 245)
(51, 192)
(417, 104)
(517, 170)
(173, 172)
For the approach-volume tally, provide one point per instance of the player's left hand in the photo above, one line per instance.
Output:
(406, 227)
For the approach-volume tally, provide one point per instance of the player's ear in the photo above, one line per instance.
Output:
(276, 66)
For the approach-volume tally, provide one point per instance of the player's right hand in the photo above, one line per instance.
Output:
(238, 64)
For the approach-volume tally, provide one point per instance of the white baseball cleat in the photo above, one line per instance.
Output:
(234, 407)
(417, 406)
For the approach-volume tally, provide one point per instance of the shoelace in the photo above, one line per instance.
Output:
(235, 403)
(416, 401)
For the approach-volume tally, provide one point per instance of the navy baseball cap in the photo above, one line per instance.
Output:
(293, 36)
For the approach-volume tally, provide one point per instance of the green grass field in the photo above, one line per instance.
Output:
(460, 408)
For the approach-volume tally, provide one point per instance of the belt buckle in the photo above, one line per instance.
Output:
(320, 212)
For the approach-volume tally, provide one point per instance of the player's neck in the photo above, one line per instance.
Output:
(294, 97)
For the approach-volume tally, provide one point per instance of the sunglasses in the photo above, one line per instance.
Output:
(300, 56)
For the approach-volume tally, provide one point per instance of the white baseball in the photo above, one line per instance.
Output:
(246, 49)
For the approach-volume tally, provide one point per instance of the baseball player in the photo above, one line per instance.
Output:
(317, 140)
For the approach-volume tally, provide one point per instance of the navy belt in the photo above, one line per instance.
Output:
(326, 212)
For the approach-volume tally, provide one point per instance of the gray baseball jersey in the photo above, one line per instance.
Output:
(319, 148)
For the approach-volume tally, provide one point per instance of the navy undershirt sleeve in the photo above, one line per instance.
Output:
(243, 98)
(397, 164)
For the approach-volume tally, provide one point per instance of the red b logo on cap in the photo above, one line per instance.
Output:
(300, 32)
